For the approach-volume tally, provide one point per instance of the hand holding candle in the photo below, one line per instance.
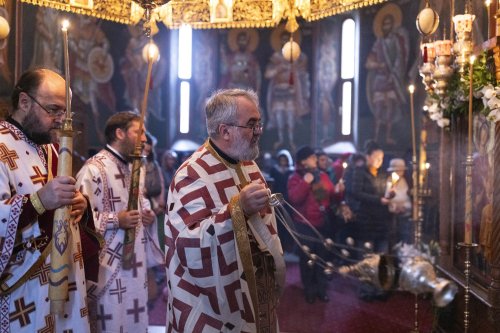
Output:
(389, 192)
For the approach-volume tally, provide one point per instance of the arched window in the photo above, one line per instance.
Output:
(348, 60)
(184, 75)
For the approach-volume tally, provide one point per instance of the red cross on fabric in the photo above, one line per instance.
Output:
(136, 310)
(49, 325)
(103, 317)
(42, 273)
(119, 290)
(114, 253)
(38, 177)
(9, 131)
(22, 312)
(113, 199)
(134, 265)
(8, 156)
(121, 176)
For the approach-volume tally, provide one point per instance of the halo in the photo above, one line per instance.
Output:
(388, 9)
(276, 37)
(253, 39)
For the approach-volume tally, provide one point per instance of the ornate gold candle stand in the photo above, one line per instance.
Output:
(463, 46)
(443, 70)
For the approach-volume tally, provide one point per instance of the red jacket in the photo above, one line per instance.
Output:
(311, 200)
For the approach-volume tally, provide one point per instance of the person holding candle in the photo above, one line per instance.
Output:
(400, 204)
(373, 218)
(119, 298)
(30, 192)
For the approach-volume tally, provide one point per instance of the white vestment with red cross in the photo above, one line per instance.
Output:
(24, 169)
(205, 275)
(118, 302)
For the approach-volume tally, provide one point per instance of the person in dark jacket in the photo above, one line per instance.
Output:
(280, 172)
(311, 192)
(372, 215)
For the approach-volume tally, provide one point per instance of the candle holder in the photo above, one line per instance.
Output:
(468, 247)
(463, 46)
(443, 70)
(428, 67)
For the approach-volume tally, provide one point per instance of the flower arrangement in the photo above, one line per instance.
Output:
(456, 100)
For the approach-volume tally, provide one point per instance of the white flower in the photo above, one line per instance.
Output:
(494, 115)
(436, 115)
(433, 108)
(494, 102)
(443, 122)
(488, 91)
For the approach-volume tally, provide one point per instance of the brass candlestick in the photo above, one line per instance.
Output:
(467, 243)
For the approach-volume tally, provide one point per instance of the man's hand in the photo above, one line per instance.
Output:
(148, 217)
(78, 207)
(58, 192)
(254, 197)
(129, 219)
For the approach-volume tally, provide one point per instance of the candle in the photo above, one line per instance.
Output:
(394, 178)
(469, 143)
(488, 3)
(64, 28)
(411, 89)
(468, 171)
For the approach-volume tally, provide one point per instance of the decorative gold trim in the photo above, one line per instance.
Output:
(113, 10)
(243, 243)
(37, 203)
(201, 14)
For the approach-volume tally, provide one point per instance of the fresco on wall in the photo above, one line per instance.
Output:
(239, 66)
(92, 68)
(288, 91)
(107, 68)
(327, 69)
(387, 72)
(204, 77)
(133, 69)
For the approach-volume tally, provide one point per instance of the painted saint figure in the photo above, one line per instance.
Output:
(386, 65)
(288, 90)
(240, 68)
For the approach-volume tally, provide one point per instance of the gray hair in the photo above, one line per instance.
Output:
(222, 106)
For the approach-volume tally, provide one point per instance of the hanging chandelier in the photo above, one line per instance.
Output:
(207, 14)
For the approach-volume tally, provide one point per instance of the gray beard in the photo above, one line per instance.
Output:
(242, 150)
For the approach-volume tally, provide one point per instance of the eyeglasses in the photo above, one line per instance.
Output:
(256, 128)
(54, 112)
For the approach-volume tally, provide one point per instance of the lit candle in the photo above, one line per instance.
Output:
(411, 89)
(394, 178)
(64, 28)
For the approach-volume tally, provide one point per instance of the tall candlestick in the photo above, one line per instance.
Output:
(411, 89)
(469, 162)
(63, 233)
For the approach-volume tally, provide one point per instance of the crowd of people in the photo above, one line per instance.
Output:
(207, 221)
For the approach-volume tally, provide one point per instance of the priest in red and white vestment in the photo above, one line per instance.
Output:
(225, 268)
(118, 302)
(29, 194)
